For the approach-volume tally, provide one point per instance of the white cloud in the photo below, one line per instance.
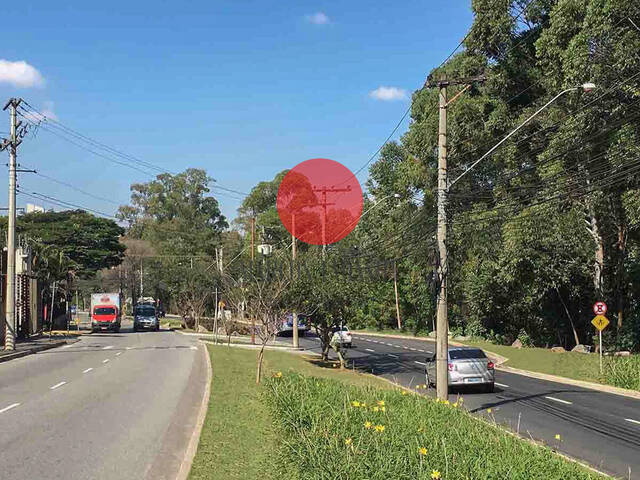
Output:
(388, 93)
(20, 74)
(46, 112)
(318, 18)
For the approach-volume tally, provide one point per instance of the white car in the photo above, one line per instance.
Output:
(342, 336)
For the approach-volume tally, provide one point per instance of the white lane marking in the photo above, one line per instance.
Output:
(57, 385)
(412, 349)
(388, 345)
(87, 370)
(420, 363)
(6, 409)
(627, 419)
(68, 346)
(397, 346)
(421, 351)
(406, 348)
(559, 400)
(106, 360)
(369, 350)
(501, 385)
(108, 347)
(193, 347)
(392, 355)
(127, 348)
(119, 353)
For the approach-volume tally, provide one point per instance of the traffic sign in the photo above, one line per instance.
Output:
(600, 322)
(599, 308)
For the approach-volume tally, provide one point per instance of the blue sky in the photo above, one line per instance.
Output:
(243, 89)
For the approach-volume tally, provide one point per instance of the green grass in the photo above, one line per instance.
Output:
(323, 435)
(237, 433)
(294, 426)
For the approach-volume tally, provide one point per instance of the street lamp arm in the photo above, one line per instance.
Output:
(512, 133)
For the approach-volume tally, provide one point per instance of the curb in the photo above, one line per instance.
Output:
(36, 349)
(192, 448)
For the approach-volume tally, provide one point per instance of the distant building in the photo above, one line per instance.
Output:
(34, 208)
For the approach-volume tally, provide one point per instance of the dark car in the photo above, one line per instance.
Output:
(145, 317)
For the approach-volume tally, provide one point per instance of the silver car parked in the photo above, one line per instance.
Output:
(466, 366)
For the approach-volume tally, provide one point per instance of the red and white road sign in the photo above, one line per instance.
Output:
(599, 308)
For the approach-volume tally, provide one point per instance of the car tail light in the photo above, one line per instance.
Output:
(451, 367)
(490, 365)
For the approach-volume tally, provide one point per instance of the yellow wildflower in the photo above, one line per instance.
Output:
(488, 410)
(383, 408)
(363, 405)
(404, 392)
(368, 425)
(437, 400)
(424, 385)
(454, 405)
(348, 441)
(277, 375)
(355, 403)
(435, 475)
(422, 451)
(558, 436)
(381, 403)
(375, 409)
(446, 402)
(380, 428)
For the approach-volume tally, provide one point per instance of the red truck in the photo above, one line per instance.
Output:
(105, 312)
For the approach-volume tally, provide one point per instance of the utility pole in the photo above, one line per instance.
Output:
(10, 304)
(296, 338)
(442, 319)
(141, 274)
(324, 204)
(253, 238)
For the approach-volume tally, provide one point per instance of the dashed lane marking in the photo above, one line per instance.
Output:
(559, 400)
(87, 370)
(637, 422)
(6, 409)
(501, 385)
(119, 353)
(106, 360)
(420, 363)
(108, 347)
(127, 348)
(369, 350)
(57, 385)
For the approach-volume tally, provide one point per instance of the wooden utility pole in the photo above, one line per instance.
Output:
(395, 288)
(294, 320)
(253, 238)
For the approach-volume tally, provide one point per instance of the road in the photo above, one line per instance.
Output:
(111, 406)
(600, 429)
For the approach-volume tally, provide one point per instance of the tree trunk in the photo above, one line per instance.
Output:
(260, 360)
(620, 274)
(598, 266)
(573, 327)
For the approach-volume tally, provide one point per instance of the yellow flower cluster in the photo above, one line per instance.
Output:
(435, 475)
(277, 375)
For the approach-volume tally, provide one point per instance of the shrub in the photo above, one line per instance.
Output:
(623, 372)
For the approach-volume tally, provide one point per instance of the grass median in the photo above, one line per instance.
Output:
(302, 423)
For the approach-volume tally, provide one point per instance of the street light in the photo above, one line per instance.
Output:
(586, 87)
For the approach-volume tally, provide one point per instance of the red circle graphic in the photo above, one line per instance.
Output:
(319, 201)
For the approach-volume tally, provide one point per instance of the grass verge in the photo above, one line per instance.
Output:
(329, 431)
(237, 435)
(302, 425)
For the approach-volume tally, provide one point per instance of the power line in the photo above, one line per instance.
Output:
(63, 203)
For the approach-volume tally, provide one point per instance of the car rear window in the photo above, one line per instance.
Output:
(104, 311)
(466, 354)
(146, 311)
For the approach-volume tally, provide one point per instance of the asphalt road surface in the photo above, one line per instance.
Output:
(598, 428)
(111, 406)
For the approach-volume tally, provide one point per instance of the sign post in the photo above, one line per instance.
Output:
(600, 322)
